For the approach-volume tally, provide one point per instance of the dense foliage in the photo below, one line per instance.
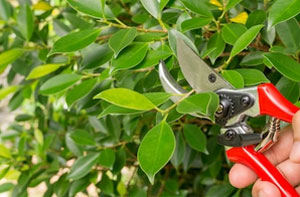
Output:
(91, 115)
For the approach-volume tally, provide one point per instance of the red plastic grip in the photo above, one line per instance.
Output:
(262, 167)
(273, 103)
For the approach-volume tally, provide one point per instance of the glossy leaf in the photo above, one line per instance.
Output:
(283, 10)
(126, 98)
(256, 17)
(152, 6)
(83, 166)
(195, 138)
(59, 83)
(197, 7)
(174, 34)
(122, 39)
(82, 137)
(156, 149)
(178, 155)
(107, 158)
(80, 91)
(9, 57)
(252, 76)
(234, 78)
(205, 104)
(289, 89)
(194, 23)
(25, 21)
(78, 186)
(117, 110)
(217, 42)
(43, 70)
(90, 7)
(231, 32)
(157, 98)
(75, 41)
(153, 57)
(268, 35)
(245, 39)
(287, 66)
(130, 56)
(253, 59)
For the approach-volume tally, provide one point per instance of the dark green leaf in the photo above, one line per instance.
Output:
(107, 158)
(268, 35)
(5, 10)
(220, 190)
(287, 66)
(77, 22)
(234, 78)
(106, 185)
(195, 137)
(253, 59)
(231, 3)
(122, 39)
(174, 34)
(82, 137)
(83, 166)
(289, 89)
(256, 17)
(59, 83)
(75, 41)
(197, 7)
(156, 149)
(178, 155)
(153, 57)
(117, 110)
(231, 32)
(152, 7)
(78, 185)
(194, 23)
(216, 42)
(25, 21)
(252, 76)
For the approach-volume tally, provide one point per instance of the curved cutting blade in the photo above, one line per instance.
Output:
(198, 74)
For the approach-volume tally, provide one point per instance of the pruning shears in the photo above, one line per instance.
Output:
(235, 106)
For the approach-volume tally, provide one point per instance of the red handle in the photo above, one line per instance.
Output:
(262, 167)
(271, 102)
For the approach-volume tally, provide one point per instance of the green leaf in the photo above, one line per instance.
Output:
(59, 83)
(83, 166)
(4, 152)
(205, 104)
(149, 36)
(122, 39)
(38, 135)
(152, 7)
(82, 137)
(289, 89)
(178, 155)
(194, 23)
(153, 57)
(90, 7)
(78, 185)
(43, 70)
(76, 21)
(231, 3)
(252, 76)
(126, 98)
(106, 185)
(256, 17)
(4, 92)
(74, 41)
(80, 91)
(220, 190)
(234, 78)
(195, 137)
(25, 21)
(6, 187)
(288, 33)
(216, 42)
(231, 32)
(268, 35)
(245, 39)
(107, 158)
(283, 10)
(9, 57)
(253, 59)
(287, 66)
(173, 35)
(5, 10)
(130, 56)
(157, 98)
(117, 110)
(197, 7)
(156, 149)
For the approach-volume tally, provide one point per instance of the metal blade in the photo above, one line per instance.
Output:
(168, 82)
(198, 74)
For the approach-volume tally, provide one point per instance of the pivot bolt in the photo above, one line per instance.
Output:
(245, 100)
(230, 134)
(212, 78)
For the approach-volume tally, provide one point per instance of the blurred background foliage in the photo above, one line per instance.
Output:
(90, 115)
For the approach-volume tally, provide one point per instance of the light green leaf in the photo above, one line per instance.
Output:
(122, 39)
(289, 89)
(283, 10)
(216, 42)
(153, 57)
(82, 137)
(195, 137)
(130, 56)
(255, 18)
(4, 92)
(59, 83)
(9, 57)
(173, 35)
(4, 152)
(194, 23)
(288, 33)
(107, 158)
(5, 10)
(83, 166)
(197, 7)
(74, 41)
(80, 91)
(152, 6)
(245, 39)
(231, 3)
(253, 59)
(287, 66)
(178, 155)
(205, 104)
(38, 135)
(156, 149)
(163, 3)
(252, 76)
(43, 70)
(234, 78)
(157, 98)
(6, 187)
(90, 7)
(231, 32)
(25, 21)
(126, 98)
